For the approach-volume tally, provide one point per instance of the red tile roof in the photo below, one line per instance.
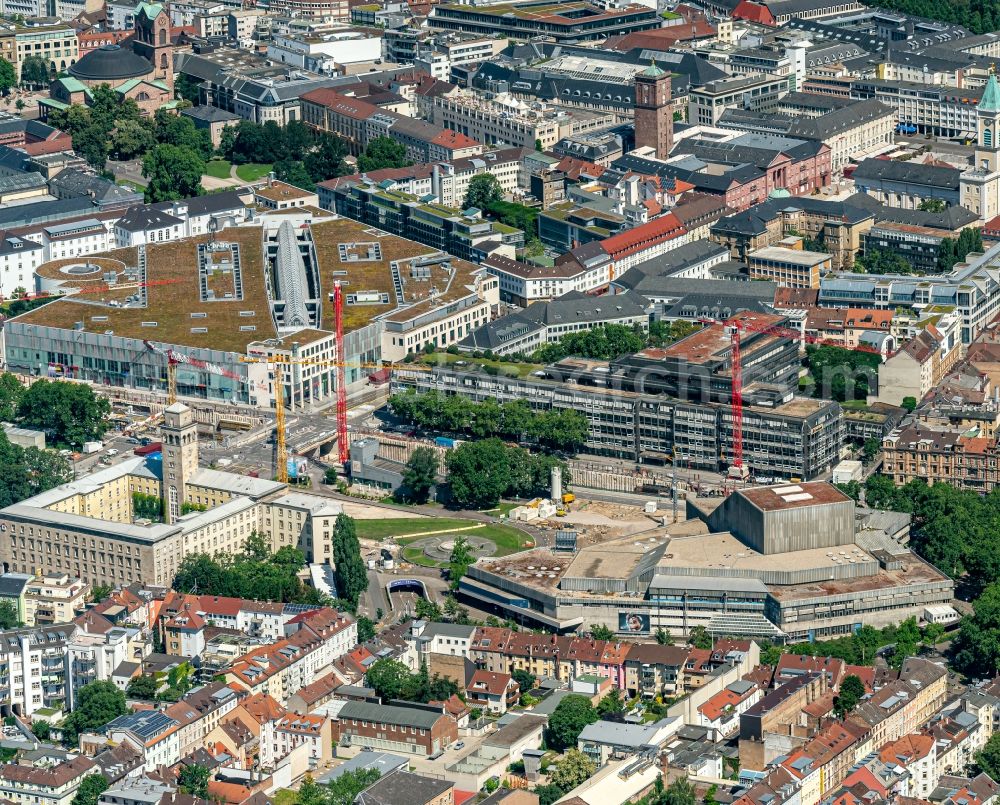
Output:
(454, 140)
(667, 227)
(753, 12)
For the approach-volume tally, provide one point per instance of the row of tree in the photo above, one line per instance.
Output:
(564, 430)
(392, 679)
(841, 374)
(255, 573)
(481, 473)
(69, 413)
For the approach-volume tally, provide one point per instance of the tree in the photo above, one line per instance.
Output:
(349, 568)
(11, 392)
(427, 610)
(97, 703)
(99, 592)
(294, 173)
(700, 638)
(850, 693)
(345, 788)
(34, 71)
(8, 615)
(461, 557)
(142, 687)
(366, 629)
(326, 160)
(611, 704)
(572, 769)
(174, 172)
(679, 792)
(193, 780)
(547, 794)
(869, 450)
(909, 403)
(41, 730)
(388, 678)
(8, 76)
(601, 632)
(420, 476)
(479, 473)
(383, 152)
(525, 679)
(90, 790)
(932, 205)
(977, 647)
(988, 758)
(484, 190)
(572, 714)
(663, 637)
(883, 261)
(130, 139)
(69, 412)
(179, 130)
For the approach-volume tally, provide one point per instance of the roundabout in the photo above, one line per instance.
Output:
(437, 550)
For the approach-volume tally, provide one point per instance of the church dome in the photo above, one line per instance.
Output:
(111, 63)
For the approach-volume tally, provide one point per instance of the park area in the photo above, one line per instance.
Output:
(222, 170)
(427, 541)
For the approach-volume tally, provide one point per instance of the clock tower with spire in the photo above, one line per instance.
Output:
(980, 185)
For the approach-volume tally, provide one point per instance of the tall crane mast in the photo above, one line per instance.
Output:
(343, 449)
(734, 327)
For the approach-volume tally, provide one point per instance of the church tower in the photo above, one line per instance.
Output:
(654, 119)
(979, 186)
(988, 121)
(180, 456)
(152, 40)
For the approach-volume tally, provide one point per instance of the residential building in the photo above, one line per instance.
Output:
(54, 598)
(606, 741)
(411, 728)
(492, 691)
(280, 736)
(720, 714)
(156, 734)
(940, 456)
(405, 788)
(922, 363)
(56, 784)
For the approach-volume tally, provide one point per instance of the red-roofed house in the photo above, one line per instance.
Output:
(280, 736)
(644, 242)
(492, 691)
(918, 755)
(720, 713)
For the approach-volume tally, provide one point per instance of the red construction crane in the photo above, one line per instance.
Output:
(338, 312)
(734, 327)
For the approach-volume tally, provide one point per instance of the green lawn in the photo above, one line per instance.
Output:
(510, 368)
(252, 172)
(131, 185)
(508, 540)
(218, 169)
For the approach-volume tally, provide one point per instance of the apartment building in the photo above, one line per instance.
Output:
(45, 785)
(503, 120)
(56, 44)
(412, 729)
(280, 736)
(360, 122)
(941, 456)
(284, 667)
(790, 268)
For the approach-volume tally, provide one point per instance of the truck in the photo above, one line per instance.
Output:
(92, 447)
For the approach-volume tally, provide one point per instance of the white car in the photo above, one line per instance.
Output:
(112, 452)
